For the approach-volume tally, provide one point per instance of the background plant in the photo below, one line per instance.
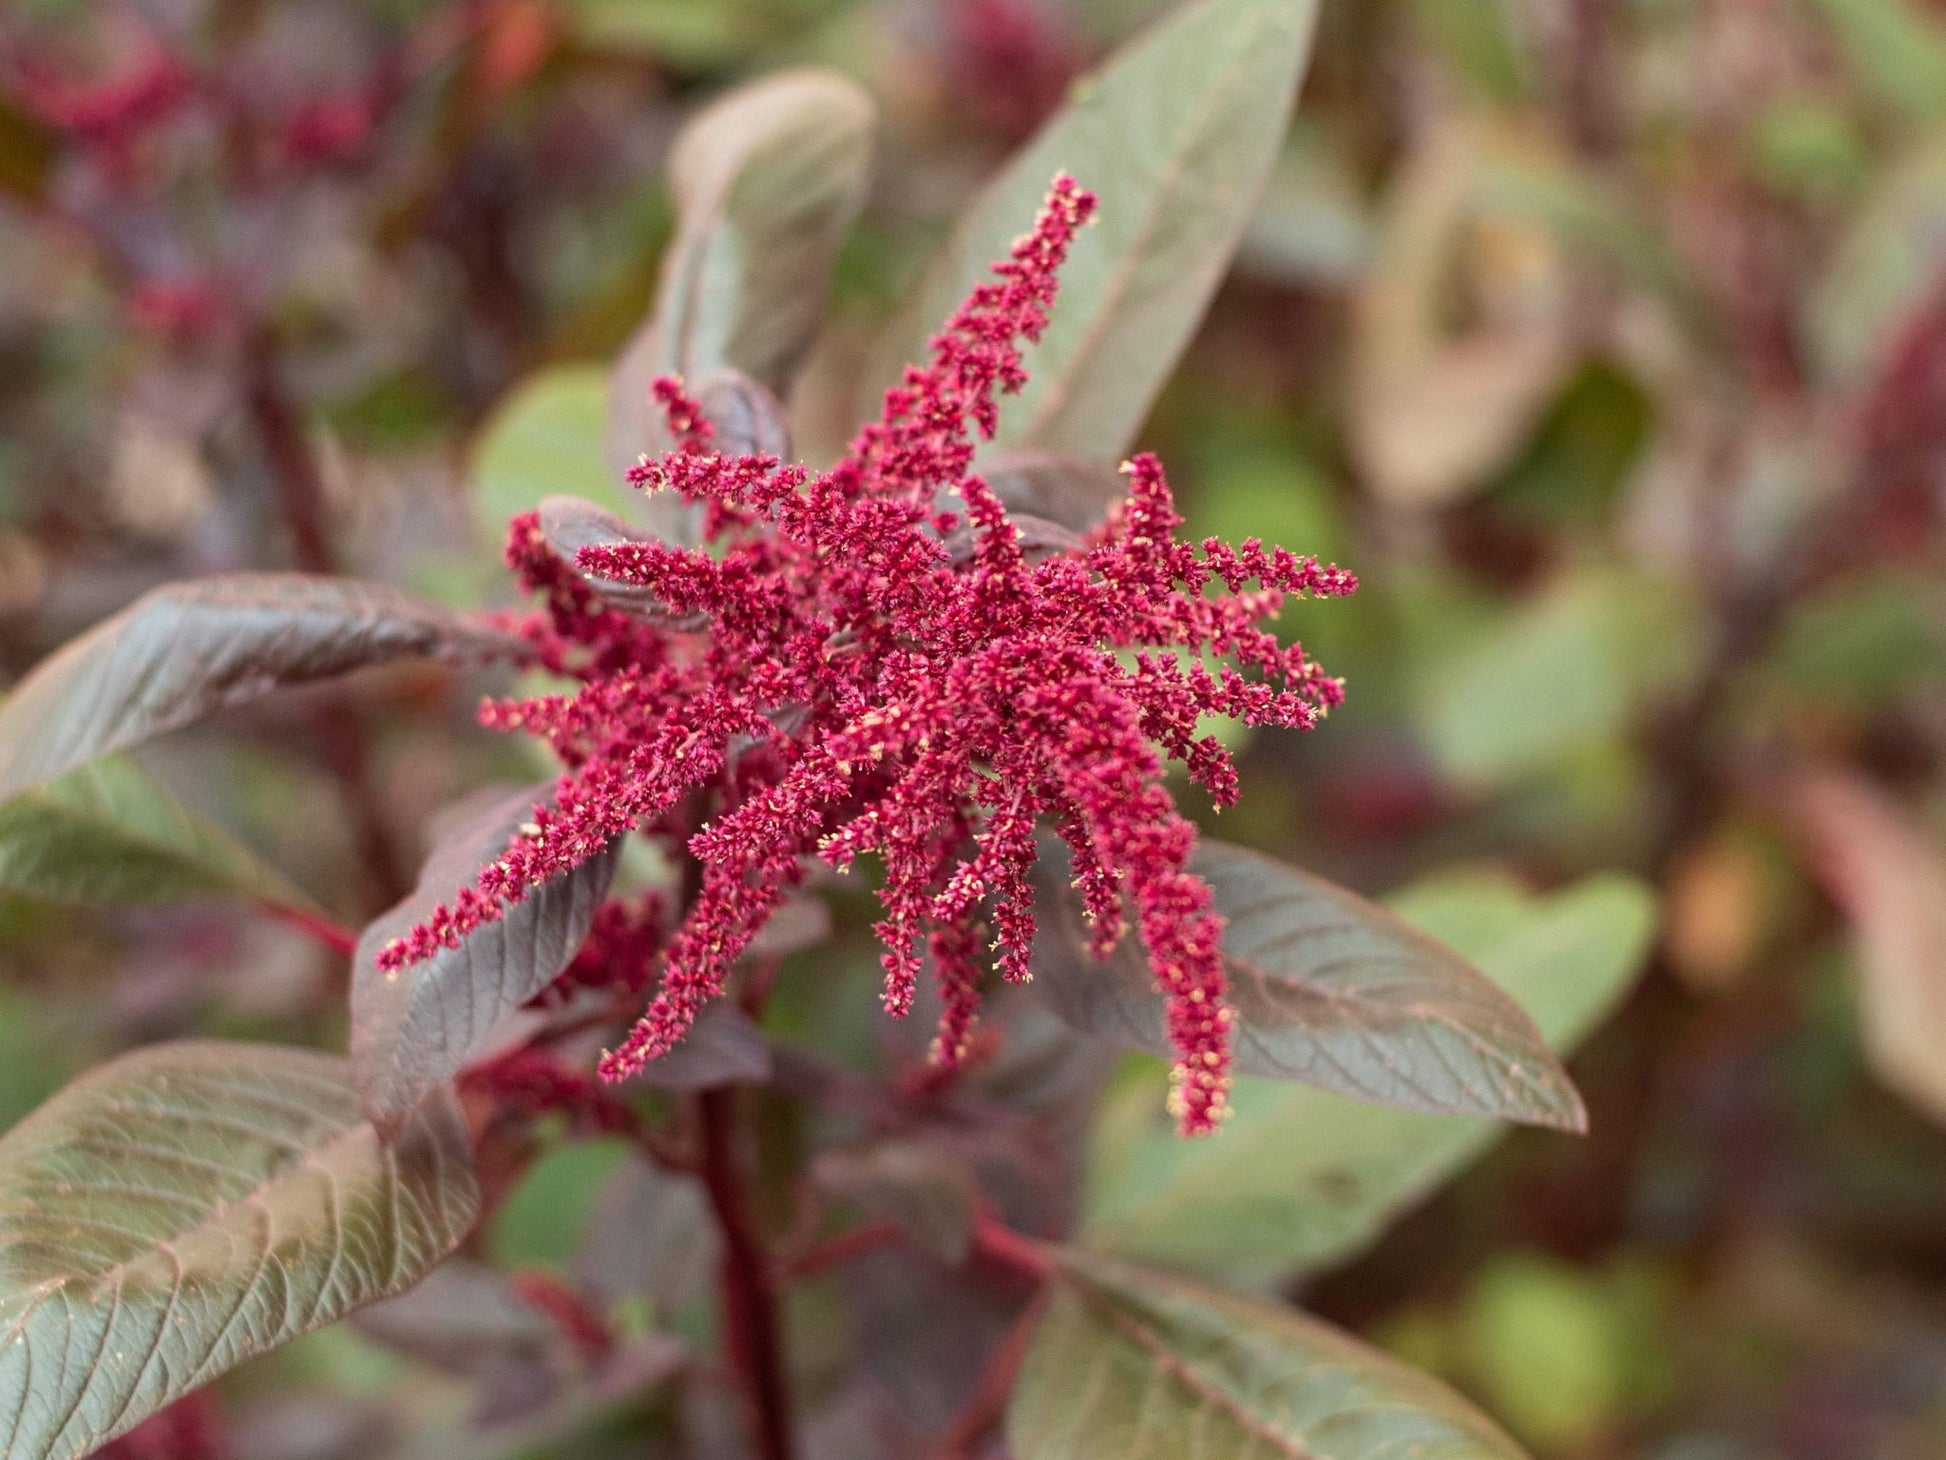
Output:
(1599, 338)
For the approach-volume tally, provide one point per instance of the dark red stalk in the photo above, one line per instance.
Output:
(1003, 1245)
(300, 491)
(749, 1291)
(821, 1257)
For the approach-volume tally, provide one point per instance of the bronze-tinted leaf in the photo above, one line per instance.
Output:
(413, 1031)
(1074, 491)
(767, 182)
(1301, 1178)
(1139, 1365)
(922, 1188)
(184, 1207)
(746, 415)
(1176, 134)
(723, 1047)
(189, 649)
(1328, 989)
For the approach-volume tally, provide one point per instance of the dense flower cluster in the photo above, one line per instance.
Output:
(885, 665)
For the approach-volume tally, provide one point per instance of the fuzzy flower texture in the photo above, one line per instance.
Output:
(877, 659)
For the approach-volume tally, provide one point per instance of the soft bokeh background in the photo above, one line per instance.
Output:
(1605, 339)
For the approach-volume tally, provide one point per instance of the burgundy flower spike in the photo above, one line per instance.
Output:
(882, 666)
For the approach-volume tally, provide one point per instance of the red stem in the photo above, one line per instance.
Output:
(821, 1257)
(749, 1291)
(1003, 1245)
(989, 1401)
(314, 925)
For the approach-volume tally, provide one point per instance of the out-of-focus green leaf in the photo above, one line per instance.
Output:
(1299, 1178)
(1128, 1363)
(1433, 414)
(686, 33)
(1327, 988)
(546, 1218)
(106, 833)
(1311, 226)
(1887, 261)
(187, 650)
(1548, 1351)
(767, 184)
(1484, 224)
(1583, 455)
(1562, 676)
(184, 1207)
(1864, 643)
(542, 440)
(1477, 38)
(1809, 148)
(1176, 134)
(1894, 49)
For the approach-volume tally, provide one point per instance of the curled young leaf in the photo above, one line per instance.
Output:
(1328, 989)
(747, 416)
(1128, 1363)
(1074, 491)
(186, 1206)
(1177, 134)
(413, 1031)
(767, 182)
(189, 649)
(571, 523)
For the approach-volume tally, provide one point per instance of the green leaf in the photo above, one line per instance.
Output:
(1299, 1178)
(188, 649)
(1328, 989)
(414, 1030)
(1886, 264)
(187, 1206)
(767, 183)
(1132, 1364)
(1177, 135)
(108, 834)
(1895, 50)
(542, 440)
(1549, 1349)
(1562, 675)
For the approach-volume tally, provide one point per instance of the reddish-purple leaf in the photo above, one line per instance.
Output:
(1328, 988)
(412, 1032)
(189, 649)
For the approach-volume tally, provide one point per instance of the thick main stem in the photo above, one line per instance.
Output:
(749, 1291)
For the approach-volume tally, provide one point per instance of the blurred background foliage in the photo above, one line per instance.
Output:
(1604, 339)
